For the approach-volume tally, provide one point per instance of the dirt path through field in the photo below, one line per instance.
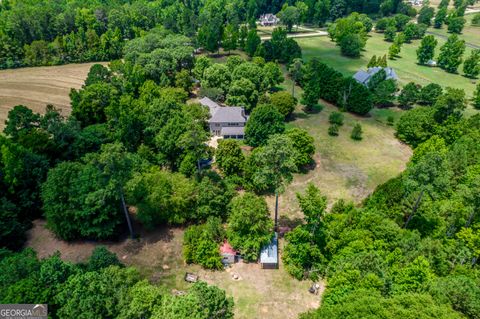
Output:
(37, 87)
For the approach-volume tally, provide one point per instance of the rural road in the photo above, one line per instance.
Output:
(441, 36)
(313, 33)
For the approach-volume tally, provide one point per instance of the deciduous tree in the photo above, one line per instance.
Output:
(249, 225)
(471, 66)
(264, 121)
(451, 54)
(426, 51)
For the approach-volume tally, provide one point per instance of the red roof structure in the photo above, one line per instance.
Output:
(226, 248)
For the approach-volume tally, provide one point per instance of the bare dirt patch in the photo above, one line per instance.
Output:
(37, 87)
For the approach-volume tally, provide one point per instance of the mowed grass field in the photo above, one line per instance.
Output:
(405, 66)
(345, 168)
(37, 87)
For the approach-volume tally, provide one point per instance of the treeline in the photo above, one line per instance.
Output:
(132, 140)
(411, 249)
(46, 33)
(101, 288)
(319, 81)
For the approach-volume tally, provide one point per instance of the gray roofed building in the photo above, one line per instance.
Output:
(225, 121)
(233, 132)
(269, 19)
(363, 77)
(228, 114)
(269, 254)
(212, 105)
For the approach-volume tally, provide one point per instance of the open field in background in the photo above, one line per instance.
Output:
(405, 65)
(157, 255)
(345, 168)
(37, 87)
(470, 34)
(435, 3)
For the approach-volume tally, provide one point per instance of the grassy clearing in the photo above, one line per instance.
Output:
(37, 87)
(158, 256)
(345, 168)
(405, 66)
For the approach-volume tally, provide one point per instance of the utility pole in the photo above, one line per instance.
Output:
(127, 216)
(276, 210)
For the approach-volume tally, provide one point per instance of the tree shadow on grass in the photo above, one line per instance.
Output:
(289, 222)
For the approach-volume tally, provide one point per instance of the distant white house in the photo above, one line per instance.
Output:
(269, 19)
(415, 2)
(363, 77)
(225, 121)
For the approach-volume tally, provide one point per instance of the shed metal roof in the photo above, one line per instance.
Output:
(269, 253)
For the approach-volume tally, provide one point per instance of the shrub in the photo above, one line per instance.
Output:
(390, 120)
(333, 130)
(284, 102)
(476, 20)
(102, 258)
(201, 244)
(336, 118)
(356, 132)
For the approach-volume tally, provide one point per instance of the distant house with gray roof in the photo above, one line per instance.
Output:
(363, 77)
(269, 19)
(225, 121)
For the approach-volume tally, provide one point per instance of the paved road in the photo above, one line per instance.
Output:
(470, 11)
(313, 33)
(470, 45)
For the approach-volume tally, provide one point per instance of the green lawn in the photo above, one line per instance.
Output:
(405, 66)
(470, 34)
(345, 168)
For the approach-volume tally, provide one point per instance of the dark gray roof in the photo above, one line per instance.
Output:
(388, 71)
(362, 77)
(269, 253)
(212, 105)
(225, 114)
(232, 130)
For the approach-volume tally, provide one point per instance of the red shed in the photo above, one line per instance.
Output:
(228, 253)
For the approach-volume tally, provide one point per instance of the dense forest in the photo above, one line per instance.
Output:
(47, 32)
(137, 138)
